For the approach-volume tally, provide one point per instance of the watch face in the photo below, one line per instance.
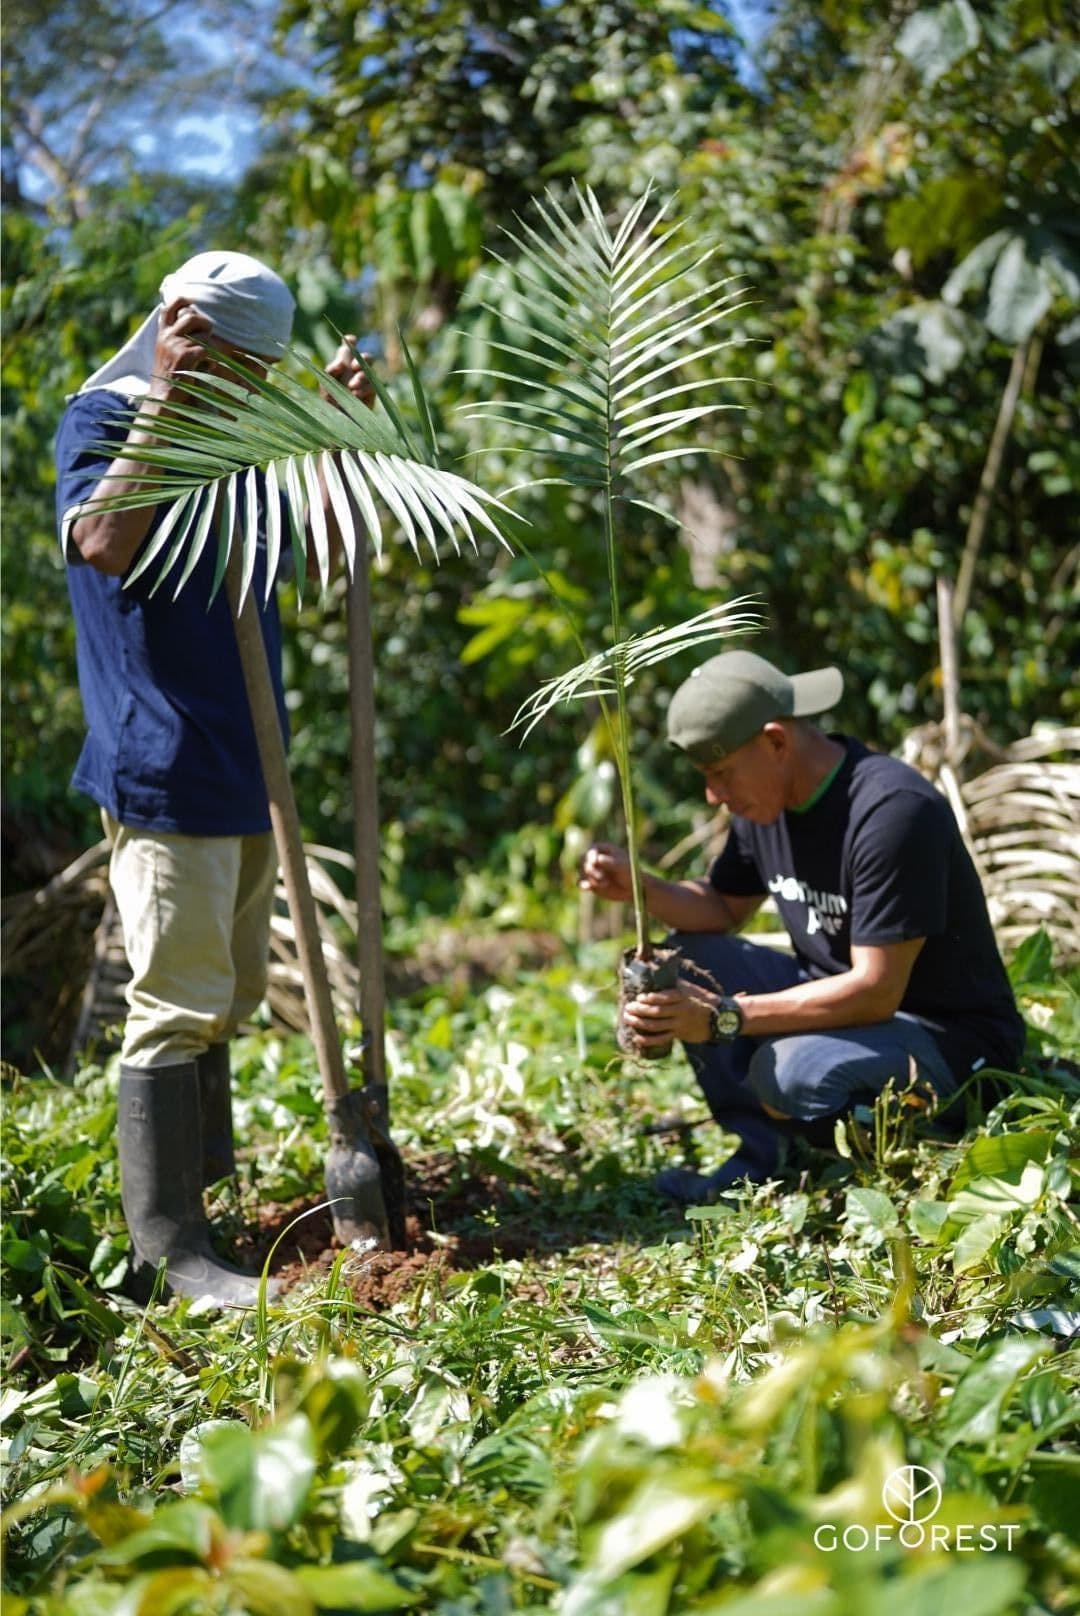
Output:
(726, 1023)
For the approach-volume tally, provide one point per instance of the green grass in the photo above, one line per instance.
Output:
(626, 1411)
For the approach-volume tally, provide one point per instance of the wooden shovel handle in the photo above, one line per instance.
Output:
(365, 799)
(285, 822)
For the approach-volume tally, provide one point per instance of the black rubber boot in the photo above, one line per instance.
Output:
(160, 1147)
(215, 1112)
(759, 1157)
(686, 1187)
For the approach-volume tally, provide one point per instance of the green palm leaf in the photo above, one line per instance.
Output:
(609, 314)
(208, 449)
(601, 675)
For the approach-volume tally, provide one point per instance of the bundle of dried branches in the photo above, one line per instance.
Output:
(74, 916)
(337, 931)
(1021, 820)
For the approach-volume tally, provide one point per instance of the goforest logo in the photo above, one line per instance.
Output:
(912, 1496)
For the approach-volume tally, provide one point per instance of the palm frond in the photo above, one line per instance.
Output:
(209, 448)
(606, 314)
(1019, 817)
(603, 674)
(609, 333)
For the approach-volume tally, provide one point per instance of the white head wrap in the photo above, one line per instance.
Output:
(248, 304)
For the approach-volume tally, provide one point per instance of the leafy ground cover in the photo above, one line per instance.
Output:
(565, 1395)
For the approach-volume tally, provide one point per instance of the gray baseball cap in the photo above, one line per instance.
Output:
(730, 698)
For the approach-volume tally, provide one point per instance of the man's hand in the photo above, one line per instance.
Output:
(683, 1012)
(347, 369)
(605, 870)
(108, 540)
(183, 332)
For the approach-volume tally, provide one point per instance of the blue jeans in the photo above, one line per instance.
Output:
(807, 1076)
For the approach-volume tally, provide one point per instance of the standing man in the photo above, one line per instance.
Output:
(171, 759)
(895, 974)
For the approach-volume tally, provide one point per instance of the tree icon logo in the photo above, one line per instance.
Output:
(912, 1494)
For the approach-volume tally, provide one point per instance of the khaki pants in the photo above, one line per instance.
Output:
(196, 917)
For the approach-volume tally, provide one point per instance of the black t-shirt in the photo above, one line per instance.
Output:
(879, 859)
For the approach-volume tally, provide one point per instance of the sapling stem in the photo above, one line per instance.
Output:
(621, 739)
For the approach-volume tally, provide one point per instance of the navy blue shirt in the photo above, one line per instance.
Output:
(170, 743)
(879, 859)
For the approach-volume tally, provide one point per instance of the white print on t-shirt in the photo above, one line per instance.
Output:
(825, 910)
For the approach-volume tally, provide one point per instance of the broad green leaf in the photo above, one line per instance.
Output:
(24, 1257)
(973, 271)
(191, 1449)
(663, 1508)
(926, 1219)
(178, 1532)
(335, 1404)
(499, 620)
(998, 1197)
(986, 1587)
(262, 1478)
(872, 1211)
(1054, 1496)
(1020, 294)
(809, 1600)
(1067, 1263)
(172, 1591)
(973, 1414)
(1003, 1156)
(357, 1585)
(935, 39)
(976, 1240)
(266, 1589)
(1056, 61)
(1033, 961)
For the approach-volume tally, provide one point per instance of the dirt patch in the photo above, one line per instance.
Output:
(462, 962)
(455, 1221)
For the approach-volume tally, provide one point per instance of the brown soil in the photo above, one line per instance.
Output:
(638, 976)
(451, 1226)
(462, 962)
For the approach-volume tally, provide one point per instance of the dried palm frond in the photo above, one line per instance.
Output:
(337, 931)
(73, 914)
(1021, 820)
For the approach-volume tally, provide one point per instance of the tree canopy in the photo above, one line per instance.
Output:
(896, 186)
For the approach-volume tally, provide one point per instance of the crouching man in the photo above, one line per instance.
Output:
(895, 972)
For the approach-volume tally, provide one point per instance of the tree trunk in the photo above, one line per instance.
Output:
(984, 498)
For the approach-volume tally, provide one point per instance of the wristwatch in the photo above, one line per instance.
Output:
(725, 1021)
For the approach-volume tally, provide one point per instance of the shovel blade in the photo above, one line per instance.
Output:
(354, 1178)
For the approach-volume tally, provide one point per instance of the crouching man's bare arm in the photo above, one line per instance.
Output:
(680, 905)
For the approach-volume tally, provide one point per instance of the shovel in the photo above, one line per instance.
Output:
(375, 1093)
(353, 1171)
